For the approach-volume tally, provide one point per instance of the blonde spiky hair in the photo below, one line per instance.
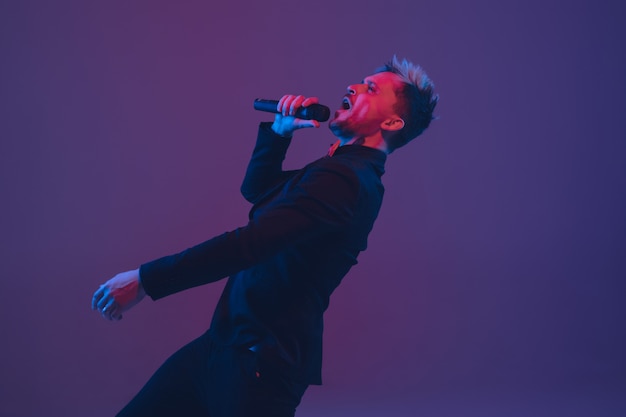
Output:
(416, 99)
(411, 73)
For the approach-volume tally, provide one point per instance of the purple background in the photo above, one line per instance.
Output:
(494, 282)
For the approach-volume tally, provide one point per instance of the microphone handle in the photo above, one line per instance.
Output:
(313, 112)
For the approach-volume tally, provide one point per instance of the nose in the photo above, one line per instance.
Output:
(355, 88)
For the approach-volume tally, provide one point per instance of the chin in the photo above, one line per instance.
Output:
(339, 129)
(333, 126)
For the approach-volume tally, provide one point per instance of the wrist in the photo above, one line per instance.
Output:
(283, 133)
(141, 292)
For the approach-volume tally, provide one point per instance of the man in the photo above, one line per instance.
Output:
(306, 228)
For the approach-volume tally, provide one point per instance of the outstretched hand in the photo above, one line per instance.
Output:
(285, 123)
(117, 295)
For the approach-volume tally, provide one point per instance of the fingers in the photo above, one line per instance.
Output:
(281, 103)
(97, 296)
(104, 302)
(107, 307)
(300, 124)
(310, 100)
(289, 104)
(110, 306)
(112, 311)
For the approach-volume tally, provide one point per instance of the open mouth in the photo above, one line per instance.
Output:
(345, 104)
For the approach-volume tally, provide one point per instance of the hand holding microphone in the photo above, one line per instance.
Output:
(293, 113)
(314, 111)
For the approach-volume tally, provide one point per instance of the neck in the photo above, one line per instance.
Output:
(374, 141)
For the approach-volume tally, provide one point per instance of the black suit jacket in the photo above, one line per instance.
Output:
(305, 230)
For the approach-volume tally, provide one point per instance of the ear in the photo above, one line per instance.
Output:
(392, 124)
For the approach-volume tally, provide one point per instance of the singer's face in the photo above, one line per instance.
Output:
(366, 106)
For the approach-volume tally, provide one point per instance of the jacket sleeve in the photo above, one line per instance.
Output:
(264, 170)
(324, 200)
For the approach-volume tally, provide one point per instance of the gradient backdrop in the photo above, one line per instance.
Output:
(494, 282)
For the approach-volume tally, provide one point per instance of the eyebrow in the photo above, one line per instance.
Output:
(369, 82)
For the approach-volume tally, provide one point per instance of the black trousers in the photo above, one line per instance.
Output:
(203, 379)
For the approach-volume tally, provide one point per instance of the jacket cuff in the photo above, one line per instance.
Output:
(265, 130)
(151, 274)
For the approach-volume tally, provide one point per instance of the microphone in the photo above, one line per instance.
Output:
(313, 112)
